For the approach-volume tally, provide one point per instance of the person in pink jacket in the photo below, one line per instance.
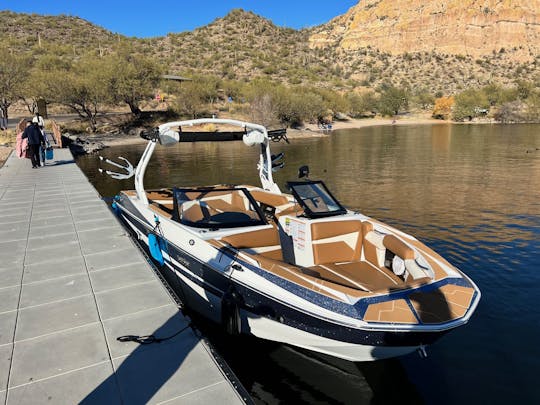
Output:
(21, 148)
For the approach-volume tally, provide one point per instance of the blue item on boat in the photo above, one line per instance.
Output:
(49, 153)
(156, 244)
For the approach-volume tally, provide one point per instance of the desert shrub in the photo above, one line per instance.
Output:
(362, 104)
(443, 107)
(511, 111)
(469, 104)
(497, 95)
(392, 100)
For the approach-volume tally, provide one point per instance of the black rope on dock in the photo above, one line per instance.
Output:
(149, 339)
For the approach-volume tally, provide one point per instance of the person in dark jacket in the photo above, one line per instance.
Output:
(35, 140)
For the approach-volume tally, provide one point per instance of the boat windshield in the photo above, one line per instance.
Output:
(315, 199)
(216, 208)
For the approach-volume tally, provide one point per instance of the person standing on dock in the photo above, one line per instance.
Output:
(21, 147)
(35, 141)
(38, 119)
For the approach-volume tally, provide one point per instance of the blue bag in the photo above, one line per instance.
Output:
(49, 153)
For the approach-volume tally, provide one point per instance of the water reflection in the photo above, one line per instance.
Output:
(470, 192)
(275, 373)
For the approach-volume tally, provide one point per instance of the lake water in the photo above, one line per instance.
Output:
(471, 192)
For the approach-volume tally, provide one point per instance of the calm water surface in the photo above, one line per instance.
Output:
(470, 192)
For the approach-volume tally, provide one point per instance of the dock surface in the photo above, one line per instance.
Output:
(71, 282)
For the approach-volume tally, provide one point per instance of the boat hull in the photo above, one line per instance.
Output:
(291, 327)
(204, 290)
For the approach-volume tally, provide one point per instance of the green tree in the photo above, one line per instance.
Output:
(35, 87)
(290, 106)
(293, 106)
(533, 106)
(83, 87)
(469, 104)
(524, 89)
(313, 107)
(262, 95)
(131, 77)
(362, 104)
(190, 99)
(392, 100)
(232, 88)
(497, 95)
(14, 70)
(424, 98)
(333, 101)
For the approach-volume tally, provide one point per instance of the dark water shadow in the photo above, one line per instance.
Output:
(280, 375)
(389, 382)
(146, 369)
(285, 374)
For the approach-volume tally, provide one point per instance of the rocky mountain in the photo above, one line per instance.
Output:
(436, 46)
(454, 27)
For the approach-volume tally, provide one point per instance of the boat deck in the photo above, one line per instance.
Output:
(71, 282)
(347, 258)
(348, 275)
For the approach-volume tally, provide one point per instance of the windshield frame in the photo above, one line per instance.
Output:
(308, 211)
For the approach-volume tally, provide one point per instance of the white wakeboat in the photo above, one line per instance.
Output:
(296, 267)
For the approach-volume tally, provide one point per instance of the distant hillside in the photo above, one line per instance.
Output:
(351, 51)
(242, 45)
(25, 31)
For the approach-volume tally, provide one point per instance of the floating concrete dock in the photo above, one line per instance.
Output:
(71, 282)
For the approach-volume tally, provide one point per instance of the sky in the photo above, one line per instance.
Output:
(153, 18)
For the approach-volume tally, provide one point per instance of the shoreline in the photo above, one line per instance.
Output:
(308, 131)
(311, 130)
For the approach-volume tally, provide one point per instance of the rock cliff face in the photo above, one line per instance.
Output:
(458, 27)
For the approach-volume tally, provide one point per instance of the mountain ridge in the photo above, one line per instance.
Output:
(243, 46)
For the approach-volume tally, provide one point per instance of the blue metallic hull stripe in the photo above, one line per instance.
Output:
(302, 292)
(413, 310)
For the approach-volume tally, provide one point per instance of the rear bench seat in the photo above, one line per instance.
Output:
(353, 254)
(342, 253)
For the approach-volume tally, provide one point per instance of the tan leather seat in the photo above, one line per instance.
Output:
(264, 242)
(336, 241)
